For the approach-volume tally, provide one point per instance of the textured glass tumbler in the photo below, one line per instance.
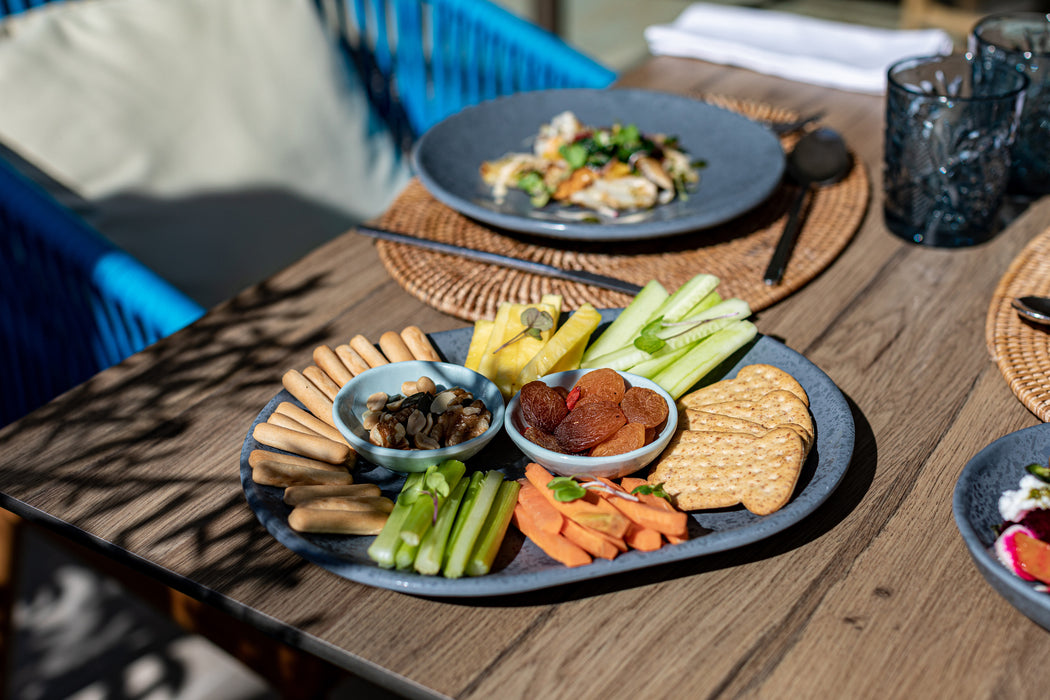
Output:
(949, 130)
(1022, 41)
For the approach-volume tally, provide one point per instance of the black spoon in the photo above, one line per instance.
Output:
(1035, 309)
(819, 158)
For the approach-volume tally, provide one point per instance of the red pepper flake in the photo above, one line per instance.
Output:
(572, 398)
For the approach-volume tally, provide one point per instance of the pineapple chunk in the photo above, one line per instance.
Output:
(479, 340)
(564, 350)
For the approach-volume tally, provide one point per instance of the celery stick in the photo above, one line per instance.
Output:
(468, 500)
(383, 549)
(708, 322)
(462, 544)
(624, 329)
(705, 356)
(421, 516)
(406, 554)
(494, 529)
(660, 360)
(432, 548)
(676, 306)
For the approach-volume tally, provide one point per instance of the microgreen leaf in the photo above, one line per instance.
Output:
(535, 321)
(566, 489)
(651, 490)
(648, 340)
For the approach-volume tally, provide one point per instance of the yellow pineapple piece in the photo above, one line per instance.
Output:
(565, 348)
(479, 340)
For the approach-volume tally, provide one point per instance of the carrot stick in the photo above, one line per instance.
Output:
(589, 540)
(631, 483)
(555, 546)
(670, 522)
(585, 511)
(643, 538)
(547, 517)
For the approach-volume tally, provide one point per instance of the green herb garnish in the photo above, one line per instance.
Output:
(536, 321)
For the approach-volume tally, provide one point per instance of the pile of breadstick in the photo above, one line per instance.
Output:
(314, 459)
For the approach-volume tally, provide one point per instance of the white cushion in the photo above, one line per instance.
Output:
(216, 140)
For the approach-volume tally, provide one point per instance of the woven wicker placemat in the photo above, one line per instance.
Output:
(737, 252)
(1022, 349)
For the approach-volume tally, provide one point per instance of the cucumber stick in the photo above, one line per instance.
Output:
(660, 360)
(625, 328)
(704, 357)
(707, 323)
(677, 306)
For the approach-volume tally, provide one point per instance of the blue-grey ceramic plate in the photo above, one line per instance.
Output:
(521, 566)
(975, 504)
(744, 160)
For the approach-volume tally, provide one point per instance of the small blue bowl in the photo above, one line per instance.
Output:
(349, 405)
(611, 467)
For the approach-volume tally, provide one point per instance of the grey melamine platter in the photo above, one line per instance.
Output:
(521, 566)
(744, 160)
(975, 505)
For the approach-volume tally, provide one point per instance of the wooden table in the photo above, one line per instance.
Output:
(872, 596)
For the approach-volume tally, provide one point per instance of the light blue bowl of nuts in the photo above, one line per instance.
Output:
(407, 416)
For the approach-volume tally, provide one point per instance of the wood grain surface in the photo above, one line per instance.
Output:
(873, 596)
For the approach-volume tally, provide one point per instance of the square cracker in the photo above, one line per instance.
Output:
(717, 469)
(750, 384)
(775, 409)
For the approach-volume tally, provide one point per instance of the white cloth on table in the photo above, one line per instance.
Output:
(834, 54)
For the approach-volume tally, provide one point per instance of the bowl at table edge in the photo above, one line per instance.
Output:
(349, 405)
(611, 467)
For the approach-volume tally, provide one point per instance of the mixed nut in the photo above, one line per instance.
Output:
(423, 418)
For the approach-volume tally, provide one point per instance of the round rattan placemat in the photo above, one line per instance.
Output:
(1022, 349)
(737, 252)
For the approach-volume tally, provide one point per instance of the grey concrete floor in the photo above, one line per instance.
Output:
(80, 635)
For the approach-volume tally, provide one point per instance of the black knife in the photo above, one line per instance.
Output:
(536, 268)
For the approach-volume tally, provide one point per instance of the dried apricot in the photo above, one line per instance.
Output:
(588, 424)
(601, 385)
(629, 437)
(541, 406)
(543, 439)
(645, 406)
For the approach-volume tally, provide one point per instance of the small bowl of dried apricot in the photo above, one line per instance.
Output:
(596, 422)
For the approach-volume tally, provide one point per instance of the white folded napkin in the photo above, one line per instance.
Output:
(834, 54)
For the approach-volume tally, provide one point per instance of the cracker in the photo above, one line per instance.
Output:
(750, 384)
(694, 419)
(775, 409)
(708, 469)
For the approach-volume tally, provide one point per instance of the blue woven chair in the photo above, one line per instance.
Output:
(72, 304)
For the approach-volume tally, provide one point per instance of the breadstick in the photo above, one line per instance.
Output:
(322, 381)
(366, 350)
(284, 475)
(312, 446)
(353, 362)
(329, 362)
(298, 495)
(258, 457)
(394, 347)
(379, 504)
(338, 522)
(288, 422)
(309, 420)
(419, 344)
(309, 395)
